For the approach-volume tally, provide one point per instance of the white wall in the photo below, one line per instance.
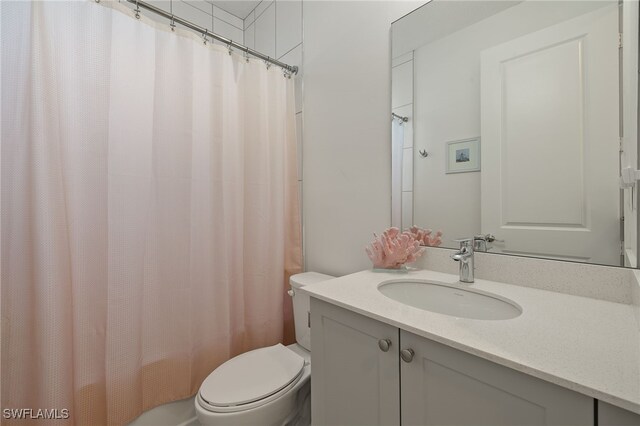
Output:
(347, 125)
(342, 117)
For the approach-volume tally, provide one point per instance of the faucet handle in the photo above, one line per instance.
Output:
(488, 238)
(464, 242)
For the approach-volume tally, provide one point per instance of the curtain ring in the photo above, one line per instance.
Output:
(267, 63)
(229, 47)
(172, 24)
(204, 36)
(137, 10)
(246, 56)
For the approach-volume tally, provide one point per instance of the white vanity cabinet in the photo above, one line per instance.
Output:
(445, 386)
(609, 415)
(354, 381)
(421, 382)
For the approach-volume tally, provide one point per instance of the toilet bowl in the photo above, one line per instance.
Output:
(266, 386)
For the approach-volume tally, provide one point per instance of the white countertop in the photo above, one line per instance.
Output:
(587, 345)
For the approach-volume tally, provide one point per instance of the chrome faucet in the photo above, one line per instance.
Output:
(465, 257)
(483, 242)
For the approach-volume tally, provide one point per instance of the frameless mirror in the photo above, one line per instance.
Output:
(517, 121)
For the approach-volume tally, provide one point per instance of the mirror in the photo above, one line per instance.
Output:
(515, 120)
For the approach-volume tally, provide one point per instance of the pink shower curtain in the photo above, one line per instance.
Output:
(149, 210)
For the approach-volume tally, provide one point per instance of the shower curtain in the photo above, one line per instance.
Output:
(149, 210)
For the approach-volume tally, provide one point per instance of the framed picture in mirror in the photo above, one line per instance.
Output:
(463, 156)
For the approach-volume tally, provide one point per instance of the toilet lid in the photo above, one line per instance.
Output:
(252, 376)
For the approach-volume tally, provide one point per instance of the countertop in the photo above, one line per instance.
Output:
(587, 345)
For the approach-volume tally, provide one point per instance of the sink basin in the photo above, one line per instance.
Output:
(451, 300)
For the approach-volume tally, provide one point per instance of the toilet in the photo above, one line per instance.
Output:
(266, 386)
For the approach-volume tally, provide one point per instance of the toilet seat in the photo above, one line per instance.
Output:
(251, 379)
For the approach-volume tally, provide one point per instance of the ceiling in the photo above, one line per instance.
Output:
(239, 8)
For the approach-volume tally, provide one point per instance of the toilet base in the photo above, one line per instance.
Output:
(291, 409)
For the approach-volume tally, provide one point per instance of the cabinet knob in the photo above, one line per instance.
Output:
(384, 344)
(407, 355)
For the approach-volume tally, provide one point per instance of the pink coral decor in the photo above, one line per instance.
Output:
(393, 249)
(425, 237)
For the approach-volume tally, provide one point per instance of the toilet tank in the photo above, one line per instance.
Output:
(301, 304)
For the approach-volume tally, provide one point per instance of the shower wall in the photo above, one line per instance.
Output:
(201, 13)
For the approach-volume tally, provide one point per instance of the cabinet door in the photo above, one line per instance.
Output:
(444, 386)
(608, 415)
(353, 381)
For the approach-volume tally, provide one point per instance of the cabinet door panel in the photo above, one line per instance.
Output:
(444, 386)
(608, 415)
(353, 382)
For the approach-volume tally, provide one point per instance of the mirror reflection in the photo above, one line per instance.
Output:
(515, 120)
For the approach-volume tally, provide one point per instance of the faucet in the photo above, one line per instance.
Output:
(465, 257)
(481, 242)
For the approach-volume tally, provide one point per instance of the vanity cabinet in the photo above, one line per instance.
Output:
(354, 381)
(368, 372)
(445, 386)
(609, 415)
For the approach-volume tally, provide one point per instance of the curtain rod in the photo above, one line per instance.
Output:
(205, 32)
(404, 119)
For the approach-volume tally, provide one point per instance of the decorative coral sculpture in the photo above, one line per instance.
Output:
(424, 236)
(393, 249)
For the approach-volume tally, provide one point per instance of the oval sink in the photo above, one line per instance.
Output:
(445, 299)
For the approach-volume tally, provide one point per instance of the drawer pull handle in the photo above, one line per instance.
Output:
(407, 355)
(384, 345)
